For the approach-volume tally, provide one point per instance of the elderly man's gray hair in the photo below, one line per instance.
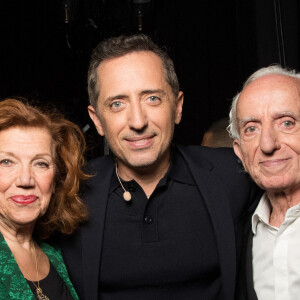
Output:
(274, 69)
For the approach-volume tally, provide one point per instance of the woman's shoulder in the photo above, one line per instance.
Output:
(51, 249)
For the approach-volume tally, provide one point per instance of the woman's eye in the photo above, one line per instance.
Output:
(42, 164)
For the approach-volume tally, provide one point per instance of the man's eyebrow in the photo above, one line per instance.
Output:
(278, 115)
(144, 92)
(244, 121)
(284, 114)
(156, 91)
(112, 98)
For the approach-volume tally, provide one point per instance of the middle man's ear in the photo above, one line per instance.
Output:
(95, 119)
(179, 104)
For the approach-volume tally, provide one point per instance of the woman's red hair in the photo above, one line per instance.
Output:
(66, 210)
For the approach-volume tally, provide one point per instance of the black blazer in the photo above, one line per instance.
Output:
(225, 189)
(245, 285)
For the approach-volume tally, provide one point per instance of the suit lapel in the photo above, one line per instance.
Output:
(249, 268)
(245, 285)
(92, 233)
(217, 205)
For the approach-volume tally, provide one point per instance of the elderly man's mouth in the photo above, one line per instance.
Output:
(274, 162)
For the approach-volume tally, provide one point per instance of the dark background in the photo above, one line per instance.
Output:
(215, 46)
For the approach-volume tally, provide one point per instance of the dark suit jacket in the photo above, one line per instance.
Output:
(225, 189)
(245, 285)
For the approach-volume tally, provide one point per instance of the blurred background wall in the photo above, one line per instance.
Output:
(216, 45)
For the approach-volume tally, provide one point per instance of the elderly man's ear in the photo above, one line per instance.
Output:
(238, 151)
(95, 119)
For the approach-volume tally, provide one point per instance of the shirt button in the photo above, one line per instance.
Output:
(148, 220)
(131, 188)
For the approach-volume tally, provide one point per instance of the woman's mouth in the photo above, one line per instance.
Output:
(23, 200)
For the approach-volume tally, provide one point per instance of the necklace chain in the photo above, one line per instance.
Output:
(39, 291)
(126, 194)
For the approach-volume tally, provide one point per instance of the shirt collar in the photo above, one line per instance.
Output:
(262, 212)
(114, 184)
(177, 171)
(293, 212)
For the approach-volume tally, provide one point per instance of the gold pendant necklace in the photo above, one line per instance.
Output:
(39, 291)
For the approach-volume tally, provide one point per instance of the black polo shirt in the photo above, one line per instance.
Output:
(162, 247)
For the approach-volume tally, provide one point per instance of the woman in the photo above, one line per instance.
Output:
(41, 155)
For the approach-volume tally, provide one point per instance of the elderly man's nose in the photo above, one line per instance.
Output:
(269, 140)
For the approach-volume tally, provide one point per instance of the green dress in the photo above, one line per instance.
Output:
(13, 285)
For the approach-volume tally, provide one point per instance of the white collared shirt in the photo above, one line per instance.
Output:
(276, 254)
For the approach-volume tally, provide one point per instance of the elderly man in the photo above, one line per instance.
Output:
(164, 220)
(265, 122)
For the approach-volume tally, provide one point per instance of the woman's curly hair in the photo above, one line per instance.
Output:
(66, 210)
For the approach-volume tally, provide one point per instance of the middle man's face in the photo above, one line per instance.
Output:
(136, 109)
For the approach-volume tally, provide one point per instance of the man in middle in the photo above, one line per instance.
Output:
(165, 221)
